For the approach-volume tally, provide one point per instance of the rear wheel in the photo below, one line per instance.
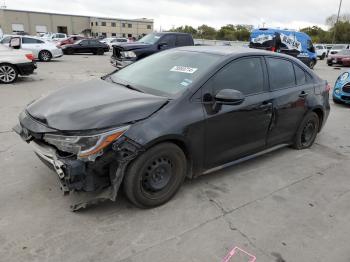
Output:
(330, 64)
(312, 64)
(45, 56)
(307, 131)
(8, 73)
(154, 177)
(323, 56)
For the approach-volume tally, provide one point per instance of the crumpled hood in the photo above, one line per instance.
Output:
(95, 104)
(132, 46)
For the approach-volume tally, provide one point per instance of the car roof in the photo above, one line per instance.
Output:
(174, 33)
(229, 51)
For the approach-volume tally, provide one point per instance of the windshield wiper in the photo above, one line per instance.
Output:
(126, 85)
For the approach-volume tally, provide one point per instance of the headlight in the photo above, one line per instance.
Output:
(85, 146)
(128, 54)
(337, 91)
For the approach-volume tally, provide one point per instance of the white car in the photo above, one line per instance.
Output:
(13, 63)
(337, 48)
(54, 36)
(321, 51)
(42, 50)
(114, 41)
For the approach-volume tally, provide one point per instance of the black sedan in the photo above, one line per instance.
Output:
(86, 46)
(180, 113)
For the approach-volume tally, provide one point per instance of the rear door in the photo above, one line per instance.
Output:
(234, 131)
(183, 40)
(290, 86)
(32, 44)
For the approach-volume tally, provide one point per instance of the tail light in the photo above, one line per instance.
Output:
(273, 49)
(30, 56)
(328, 87)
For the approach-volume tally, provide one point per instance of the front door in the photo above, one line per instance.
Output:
(234, 131)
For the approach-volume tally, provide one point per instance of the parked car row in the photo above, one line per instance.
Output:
(42, 50)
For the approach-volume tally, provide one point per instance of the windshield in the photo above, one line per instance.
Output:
(167, 73)
(149, 39)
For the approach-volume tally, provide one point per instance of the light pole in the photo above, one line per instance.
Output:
(335, 25)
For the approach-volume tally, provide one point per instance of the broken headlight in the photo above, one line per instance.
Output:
(85, 146)
(128, 54)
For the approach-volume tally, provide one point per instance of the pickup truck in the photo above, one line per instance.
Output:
(128, 53)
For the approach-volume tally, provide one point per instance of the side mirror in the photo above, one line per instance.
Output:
(162, 45)
(15, 42)
(229, 97)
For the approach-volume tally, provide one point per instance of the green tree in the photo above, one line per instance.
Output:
(206, 32)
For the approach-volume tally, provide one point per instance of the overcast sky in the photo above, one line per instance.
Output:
(169, 13)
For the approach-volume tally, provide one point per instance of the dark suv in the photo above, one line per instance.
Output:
(126, 54)
(179, 113)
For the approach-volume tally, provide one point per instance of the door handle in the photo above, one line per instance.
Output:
(303, 94)
(265, 106)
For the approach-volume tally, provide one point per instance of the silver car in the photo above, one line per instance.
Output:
(42, 50)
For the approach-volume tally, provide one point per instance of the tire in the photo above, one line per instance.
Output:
(336, 101)
(323, 56)
(307, 131)
(69, 51)
(99, 52)
(45, 56)
(312, 64)
(155, 176)
(8, 73)
(330, 64)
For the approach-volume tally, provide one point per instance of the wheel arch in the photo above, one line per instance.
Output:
(320, 114)
(181, 143)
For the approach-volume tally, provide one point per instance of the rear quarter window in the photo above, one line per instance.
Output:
(281, 73)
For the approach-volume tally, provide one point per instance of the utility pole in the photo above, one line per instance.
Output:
(335, 25)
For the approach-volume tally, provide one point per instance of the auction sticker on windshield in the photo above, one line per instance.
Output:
(184, 69)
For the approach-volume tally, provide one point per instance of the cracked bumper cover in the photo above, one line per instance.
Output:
(102, 176)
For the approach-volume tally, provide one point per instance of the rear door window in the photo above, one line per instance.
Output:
(281, 73)
(182, 40)
(300, 75)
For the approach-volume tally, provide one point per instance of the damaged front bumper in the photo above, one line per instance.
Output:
(101, 177)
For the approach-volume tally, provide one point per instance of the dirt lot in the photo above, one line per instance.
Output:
(285, 206)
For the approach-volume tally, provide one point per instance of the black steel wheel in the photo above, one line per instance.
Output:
(154, 177)
(45, 56)
(8, 73)
(307, 131)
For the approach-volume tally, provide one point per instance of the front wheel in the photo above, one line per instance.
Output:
(307, 131)
(99, 52)
(8, 73)
(154, 177)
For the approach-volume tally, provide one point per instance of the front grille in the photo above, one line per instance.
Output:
(347, 98)
(346, 88)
